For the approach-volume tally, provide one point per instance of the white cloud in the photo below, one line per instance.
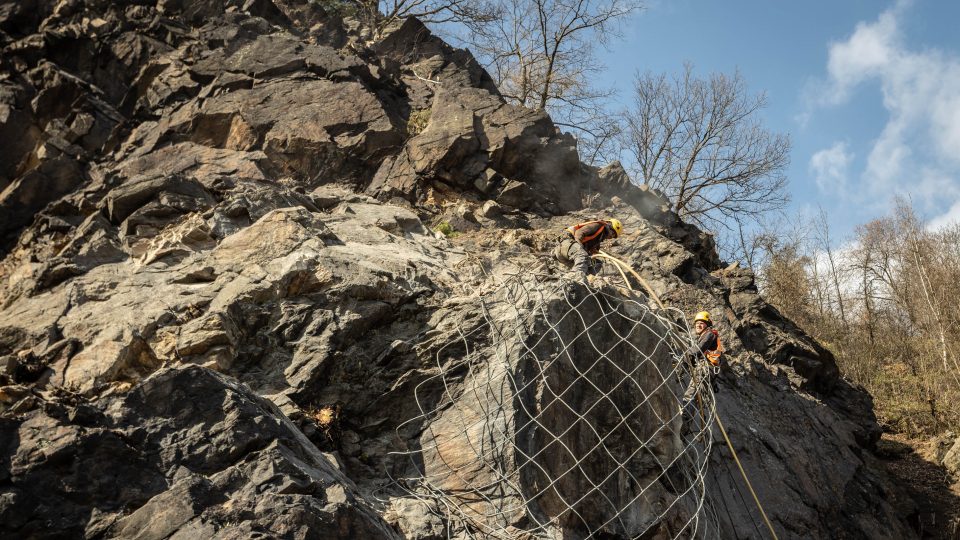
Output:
(886, 160)
(829, 167)
(933, 187)
(918, 151)
(950, 217)
(945, 113)
(867, 52)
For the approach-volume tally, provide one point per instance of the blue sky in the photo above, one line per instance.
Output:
(869, 91)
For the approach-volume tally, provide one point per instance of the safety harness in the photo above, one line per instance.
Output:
(574, 228)
(714, 356)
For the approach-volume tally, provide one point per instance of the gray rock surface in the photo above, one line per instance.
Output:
(951, 459)
(542, 400)
(219, 286)
(188, 453)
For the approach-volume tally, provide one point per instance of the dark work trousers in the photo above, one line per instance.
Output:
(571, 252)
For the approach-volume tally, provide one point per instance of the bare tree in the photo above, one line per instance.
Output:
(756, 244)
(699, 141)
(836, 272)
(541, 54)
(749, 243)
(932, 270)
(377, 15)
(884, 305)
(785, 278)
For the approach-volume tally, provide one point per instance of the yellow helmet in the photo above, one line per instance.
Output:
(617, 226)
(702, 316)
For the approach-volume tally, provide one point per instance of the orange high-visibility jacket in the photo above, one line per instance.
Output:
(709, 345)
(590, 234)
(713, 356)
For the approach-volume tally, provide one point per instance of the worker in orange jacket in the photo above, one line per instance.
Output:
(708, 345)
(582, 240)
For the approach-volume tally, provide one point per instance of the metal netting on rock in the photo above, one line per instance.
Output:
(564, 412)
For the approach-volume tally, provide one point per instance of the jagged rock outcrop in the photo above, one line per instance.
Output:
(188, 453)
(215, 221)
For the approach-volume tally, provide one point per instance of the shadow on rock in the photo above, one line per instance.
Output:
(937, 515)
(187, 452)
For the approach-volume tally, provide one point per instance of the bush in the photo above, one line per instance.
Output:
(446, 229)
(885, 309)
(418, 121)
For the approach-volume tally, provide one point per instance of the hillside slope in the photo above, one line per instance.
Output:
(222, 300)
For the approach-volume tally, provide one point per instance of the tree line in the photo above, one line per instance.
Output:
(885, 305)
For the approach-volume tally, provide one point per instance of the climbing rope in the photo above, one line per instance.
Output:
(494, 445)
(726, 437)
(619, 269)
(622, 265)
(736, 459)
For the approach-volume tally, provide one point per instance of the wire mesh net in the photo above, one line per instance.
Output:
(564, 411)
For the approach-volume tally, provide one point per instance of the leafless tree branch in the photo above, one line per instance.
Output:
(541, 54)
(699, 142)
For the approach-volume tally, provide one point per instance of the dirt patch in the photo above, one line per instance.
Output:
(937, 494)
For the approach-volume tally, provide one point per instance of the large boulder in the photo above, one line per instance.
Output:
(560, 420)
(424, 62)
(475, 142)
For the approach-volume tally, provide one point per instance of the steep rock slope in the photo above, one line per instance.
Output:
(214, 228)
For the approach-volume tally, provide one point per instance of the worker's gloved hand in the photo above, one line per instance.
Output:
(596, 266)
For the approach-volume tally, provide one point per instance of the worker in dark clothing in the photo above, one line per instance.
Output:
(708, 346)
(582, 240)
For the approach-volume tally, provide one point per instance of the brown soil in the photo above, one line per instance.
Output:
(937, 494)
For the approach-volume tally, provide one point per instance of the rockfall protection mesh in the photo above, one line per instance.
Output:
(564, 411)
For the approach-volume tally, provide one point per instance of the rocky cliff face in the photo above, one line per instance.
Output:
(220, 293)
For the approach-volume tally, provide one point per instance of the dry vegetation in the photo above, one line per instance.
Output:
(888, 307)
